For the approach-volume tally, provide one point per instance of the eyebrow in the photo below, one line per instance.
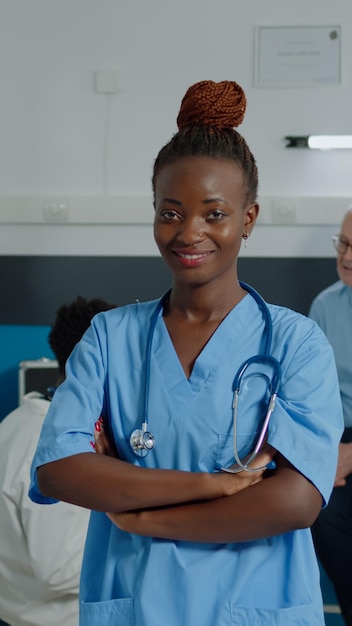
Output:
(207, 201)
(210, 200)
(344, 238)
(172, 201)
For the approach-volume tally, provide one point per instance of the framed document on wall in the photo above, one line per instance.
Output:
(291, 56)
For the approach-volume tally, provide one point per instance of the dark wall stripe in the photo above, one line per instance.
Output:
(33, 287)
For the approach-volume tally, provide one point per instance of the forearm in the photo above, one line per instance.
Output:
(274, 506)
(104, 483)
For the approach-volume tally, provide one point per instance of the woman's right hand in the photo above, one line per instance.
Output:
(234, 482)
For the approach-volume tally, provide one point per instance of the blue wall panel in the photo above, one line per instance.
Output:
(18, 343)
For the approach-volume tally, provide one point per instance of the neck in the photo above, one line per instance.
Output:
(204, 302)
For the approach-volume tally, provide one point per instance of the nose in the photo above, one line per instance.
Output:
(190, 231)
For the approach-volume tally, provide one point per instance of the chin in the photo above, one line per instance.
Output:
(346, 277)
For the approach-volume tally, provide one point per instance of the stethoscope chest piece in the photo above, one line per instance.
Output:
(142, 441)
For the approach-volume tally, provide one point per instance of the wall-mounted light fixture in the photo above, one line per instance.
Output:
(320, 142)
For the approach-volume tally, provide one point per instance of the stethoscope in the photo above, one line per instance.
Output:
(142, 440)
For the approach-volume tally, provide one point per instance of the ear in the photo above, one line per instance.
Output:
(250, 216)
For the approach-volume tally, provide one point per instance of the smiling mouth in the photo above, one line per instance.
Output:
(192, 257)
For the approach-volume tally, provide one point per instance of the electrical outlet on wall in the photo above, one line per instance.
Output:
(283, 211)
(56, 210)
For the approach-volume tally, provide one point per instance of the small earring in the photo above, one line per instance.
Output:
(245, 237)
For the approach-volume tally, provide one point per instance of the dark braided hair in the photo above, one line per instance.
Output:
(72, 320)
(206, 121)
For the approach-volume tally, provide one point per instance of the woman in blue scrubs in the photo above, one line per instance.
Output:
(172, 540)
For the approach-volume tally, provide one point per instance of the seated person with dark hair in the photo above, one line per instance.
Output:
(41, 547)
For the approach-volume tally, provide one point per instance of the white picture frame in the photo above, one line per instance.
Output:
(291, 56)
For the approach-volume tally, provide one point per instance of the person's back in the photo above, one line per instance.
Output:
(41, 547)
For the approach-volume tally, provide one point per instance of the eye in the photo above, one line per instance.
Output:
(215, 216)
(169, 215)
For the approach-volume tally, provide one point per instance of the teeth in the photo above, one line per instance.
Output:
(191, 256)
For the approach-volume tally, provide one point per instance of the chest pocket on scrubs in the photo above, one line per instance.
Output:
(118, 612)
(253, 402)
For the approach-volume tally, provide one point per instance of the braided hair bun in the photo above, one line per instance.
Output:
(221, 105)
(209, 115)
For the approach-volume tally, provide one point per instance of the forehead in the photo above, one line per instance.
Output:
(204, 171)
(346, 226)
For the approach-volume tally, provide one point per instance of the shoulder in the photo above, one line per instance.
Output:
(295, 330)
(331, 293)
(284, 317)
(137, 313)
(327, 302)
(20, 429)
(124, 324)
(34, 405)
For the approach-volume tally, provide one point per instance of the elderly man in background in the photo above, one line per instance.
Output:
(332, 532)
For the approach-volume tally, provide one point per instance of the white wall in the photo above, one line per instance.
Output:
(84, 160)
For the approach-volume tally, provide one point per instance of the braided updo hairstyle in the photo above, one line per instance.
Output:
(207, 119)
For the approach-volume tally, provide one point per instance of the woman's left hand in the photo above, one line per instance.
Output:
(102, 442)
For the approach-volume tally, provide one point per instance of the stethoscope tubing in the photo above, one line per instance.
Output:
(148, 351)
(142, 440)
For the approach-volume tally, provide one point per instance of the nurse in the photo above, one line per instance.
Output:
(171, 539)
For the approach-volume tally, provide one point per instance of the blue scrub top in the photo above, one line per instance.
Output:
(332, 310)
(131, 580)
